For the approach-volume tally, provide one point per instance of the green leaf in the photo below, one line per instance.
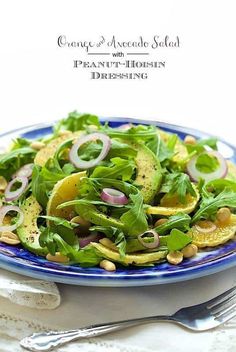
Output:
(139, 132)
(39, 186)
(210, 204)
(200, 145)
(120, 168)
(76, 122)
(46, 240)
(60, 221)
(135, 219)
(178, 183)
(207, 163)
(88, 256)
(178, 221)
(12, 161)
(167, 149)
(177, 240)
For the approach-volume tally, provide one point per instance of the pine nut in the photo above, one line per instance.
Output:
(107, 265)
(64, 133)
(37, 145)
(175, 257)
(190, 140)
(9, 238)
(223, 215)
(189, 251)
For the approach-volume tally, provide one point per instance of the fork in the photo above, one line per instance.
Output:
(200, 317)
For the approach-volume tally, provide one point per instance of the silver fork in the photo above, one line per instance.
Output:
(201, 317)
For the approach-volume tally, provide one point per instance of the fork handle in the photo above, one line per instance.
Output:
(46, 341)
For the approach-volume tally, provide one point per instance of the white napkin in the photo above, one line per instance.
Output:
(21, 290)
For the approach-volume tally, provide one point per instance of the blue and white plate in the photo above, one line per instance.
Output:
(207, 262)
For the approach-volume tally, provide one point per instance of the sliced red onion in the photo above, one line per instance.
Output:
(150, 233)
(93, 237)
(113, 196)
(83, 164)
(3, 212)
(195, 174)
(13, 195)
(212, 227)
(25, 171)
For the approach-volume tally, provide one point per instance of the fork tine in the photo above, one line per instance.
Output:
(218, 299)
(230, 314)
(224, 311)
(219, 307)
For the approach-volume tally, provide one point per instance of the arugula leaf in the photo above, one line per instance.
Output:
(135, 219)
(210, 204)
(40, 187)
(177, 240)
(141, 132)
(178, 221)
(88, 256)
(219, 184)
(12, 161)
(121, 149)
(200, 145)
(206, 163)
(120, 242)
(60, 221)
(20, 143)
(167, 149)
(178, 183)
(76, 122)
(46, 240)
(121, 168)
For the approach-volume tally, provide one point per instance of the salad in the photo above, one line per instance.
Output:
(94, 195)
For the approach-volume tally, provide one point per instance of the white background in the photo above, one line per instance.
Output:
(197, 87)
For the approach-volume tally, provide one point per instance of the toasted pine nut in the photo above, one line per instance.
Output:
(107, 265)
(189, 251)
(223, 215)
(37, 145)
(3, 183)
(175, 257)
(190, 140)
(58, 257)
(9, 238)
(160, 222)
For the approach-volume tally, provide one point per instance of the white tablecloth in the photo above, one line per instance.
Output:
(81, 306)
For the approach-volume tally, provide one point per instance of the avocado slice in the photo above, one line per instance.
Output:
(149, 173)
(136, 259)
(29, 232)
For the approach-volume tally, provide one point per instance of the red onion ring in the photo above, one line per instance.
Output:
(149, 245)
(113, 196)
(25, 171)
(195, 174)
(83, 164)
(13, 195)
(212, 227)
(93, 237)
(3, 211)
